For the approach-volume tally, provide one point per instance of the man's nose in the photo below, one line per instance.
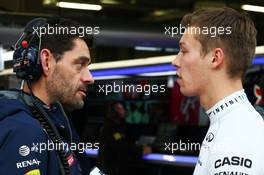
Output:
(87, 77)
(175, 62)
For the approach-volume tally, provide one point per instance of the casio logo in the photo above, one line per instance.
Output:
(236, 161)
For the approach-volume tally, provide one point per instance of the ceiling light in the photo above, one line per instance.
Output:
(81, 6)
(253, 8)
(109, 2)
(143, 48)
(49, 2)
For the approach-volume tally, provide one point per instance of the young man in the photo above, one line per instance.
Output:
(211, 65)
(62, 59)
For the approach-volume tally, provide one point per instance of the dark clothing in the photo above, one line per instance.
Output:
(22, 137)
(117, 151)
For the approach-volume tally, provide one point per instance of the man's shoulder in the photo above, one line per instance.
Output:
(21, 125)
(21, 121)
(243, 127)
(10, 93)
(246, 116)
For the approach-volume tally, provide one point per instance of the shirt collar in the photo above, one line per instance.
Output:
(227, 104)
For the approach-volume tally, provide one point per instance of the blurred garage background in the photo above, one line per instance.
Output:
(133, 48)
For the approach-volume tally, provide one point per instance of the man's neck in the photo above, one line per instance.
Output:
(38, 91)
(219, 91)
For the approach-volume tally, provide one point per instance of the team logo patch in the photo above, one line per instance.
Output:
(70, 160)
(24, 150)
(27, 163)
(209, 137)
(33, 172)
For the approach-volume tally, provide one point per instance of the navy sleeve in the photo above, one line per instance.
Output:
(20, 140)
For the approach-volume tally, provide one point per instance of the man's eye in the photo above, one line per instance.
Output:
(81, 65)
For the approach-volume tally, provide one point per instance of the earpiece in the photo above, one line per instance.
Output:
(26, 63)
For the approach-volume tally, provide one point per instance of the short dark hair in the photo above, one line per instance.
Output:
(239, 46)
(60, 43)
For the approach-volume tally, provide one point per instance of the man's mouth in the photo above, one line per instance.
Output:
(83, 92)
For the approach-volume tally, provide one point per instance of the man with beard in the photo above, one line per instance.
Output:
(35, 134)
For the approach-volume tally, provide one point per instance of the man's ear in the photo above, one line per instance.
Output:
(217, 58)
(47, 61)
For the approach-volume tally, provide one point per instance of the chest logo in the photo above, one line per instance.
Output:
(209, 137)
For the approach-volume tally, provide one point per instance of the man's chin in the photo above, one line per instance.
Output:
(73, 106)
(186, 92)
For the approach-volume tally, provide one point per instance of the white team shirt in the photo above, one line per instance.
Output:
(234, 143)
